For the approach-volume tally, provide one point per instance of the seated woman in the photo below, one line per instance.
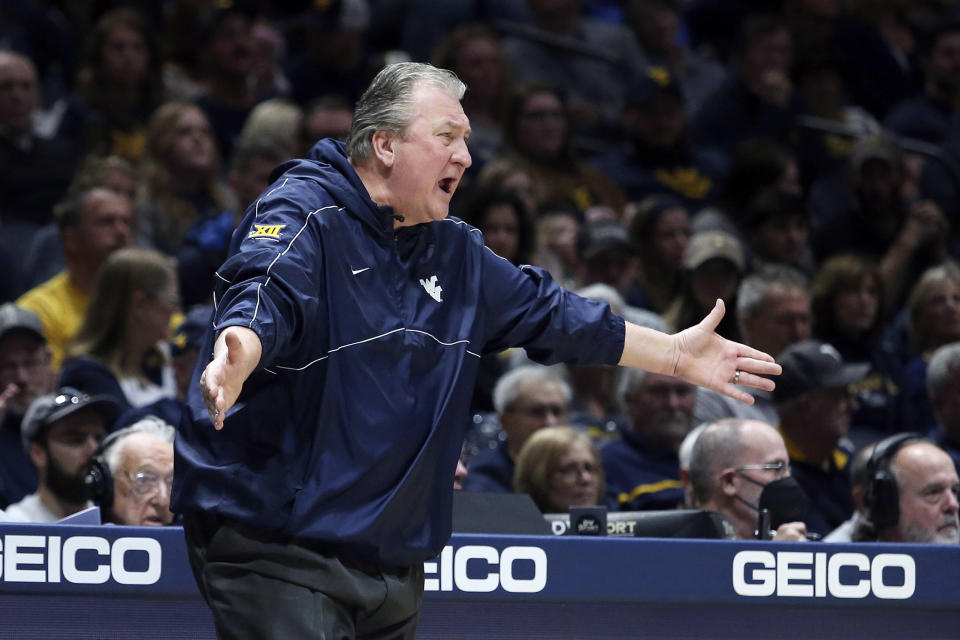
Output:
(560, 468)
(121, 348)
(536, 135)
(499, 215)
(847, 300)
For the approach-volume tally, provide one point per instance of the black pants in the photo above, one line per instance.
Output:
(258, 588)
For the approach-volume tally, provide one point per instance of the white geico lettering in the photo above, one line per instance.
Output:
(52, 559)
(453, 570)
(814, 575)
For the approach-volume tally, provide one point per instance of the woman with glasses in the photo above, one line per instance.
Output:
(121, 348)
(560, 468)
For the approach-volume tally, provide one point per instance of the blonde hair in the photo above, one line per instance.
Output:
(107, 334)
(174, 213)
(921, 338)
(540, 456)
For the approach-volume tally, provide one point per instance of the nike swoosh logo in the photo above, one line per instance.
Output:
(356, 271)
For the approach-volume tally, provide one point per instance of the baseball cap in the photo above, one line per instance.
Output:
(49, 408)
(14, 317)
(601, 236)
(707, 245)
(811, 365)
(189, 333)
(648, 82)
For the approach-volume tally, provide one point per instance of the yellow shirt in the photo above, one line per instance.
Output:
(61, 308)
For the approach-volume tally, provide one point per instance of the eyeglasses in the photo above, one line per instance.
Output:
(575, 469)
(146, 484)
(780, 467)
(541, 410)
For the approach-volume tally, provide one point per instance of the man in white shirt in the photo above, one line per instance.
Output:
(61, 431)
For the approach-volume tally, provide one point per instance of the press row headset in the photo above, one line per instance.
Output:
(883, 497)
(99, 480)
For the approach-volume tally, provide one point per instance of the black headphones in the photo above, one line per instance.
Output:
(883, 496)
(99, 480)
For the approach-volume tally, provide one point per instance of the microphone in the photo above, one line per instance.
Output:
(785, 500)
(763, 531)
(398, 217)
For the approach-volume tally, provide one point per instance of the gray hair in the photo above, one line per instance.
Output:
(505, 391)
(944, 363)
(386, 105)
(718, 447)
(756, 286)
(149, 424)
(686, 447)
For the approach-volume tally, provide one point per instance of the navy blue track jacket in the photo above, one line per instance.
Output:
(348, 432)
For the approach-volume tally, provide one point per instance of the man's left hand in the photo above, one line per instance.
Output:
(706, 359)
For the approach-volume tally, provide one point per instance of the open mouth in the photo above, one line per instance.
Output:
(447, 185)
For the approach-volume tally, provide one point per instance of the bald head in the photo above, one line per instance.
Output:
(729, 443)
(720, 482)
(19, 96)
(927, 485)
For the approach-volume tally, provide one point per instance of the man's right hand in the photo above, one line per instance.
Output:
(235, 355)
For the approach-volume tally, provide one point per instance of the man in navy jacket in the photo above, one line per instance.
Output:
(315, 462)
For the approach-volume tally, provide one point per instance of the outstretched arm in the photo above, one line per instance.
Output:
(235, 355)
(699, 355)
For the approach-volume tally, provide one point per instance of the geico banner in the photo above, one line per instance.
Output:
(152, 562)
(80, 559)
(484, 569)
(888, 576)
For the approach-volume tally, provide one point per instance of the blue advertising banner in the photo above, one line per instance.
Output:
(111, 582)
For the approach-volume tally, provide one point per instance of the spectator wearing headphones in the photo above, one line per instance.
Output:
(132, 473)
(912, 493)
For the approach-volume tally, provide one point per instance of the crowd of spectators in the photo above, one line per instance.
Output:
(799, 159)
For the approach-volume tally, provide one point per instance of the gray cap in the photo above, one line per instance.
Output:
(14, 317)
(811, 365)
(49, 408)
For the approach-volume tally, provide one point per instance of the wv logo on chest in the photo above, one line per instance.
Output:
(432, 287)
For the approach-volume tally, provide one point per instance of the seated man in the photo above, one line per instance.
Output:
(25, 373)
(732, 461)
(912, 495)
(61, 431)
(814, 404)
(527, 398)
(132, 476)
(643, 470)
